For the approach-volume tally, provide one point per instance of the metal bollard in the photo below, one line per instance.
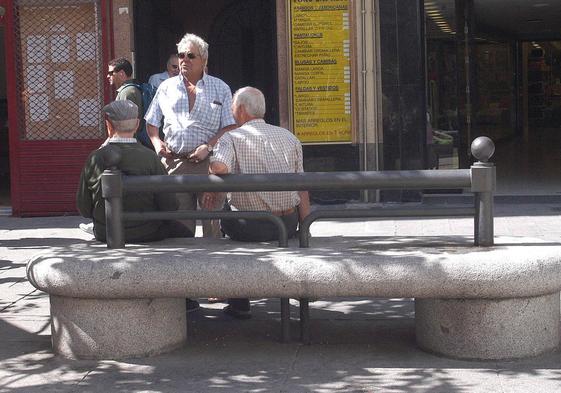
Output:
(483, 184)
(112, 192)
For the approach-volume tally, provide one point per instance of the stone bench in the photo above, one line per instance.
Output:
(480, 303)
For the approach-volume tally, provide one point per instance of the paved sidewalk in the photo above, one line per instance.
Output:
(358, 345)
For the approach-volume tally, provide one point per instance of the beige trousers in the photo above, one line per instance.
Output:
(190, 201)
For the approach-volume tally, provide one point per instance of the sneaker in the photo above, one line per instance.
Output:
(235, 313)
(192, 305)
(88, 228)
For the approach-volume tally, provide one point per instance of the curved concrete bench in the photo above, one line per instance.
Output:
(484, 303)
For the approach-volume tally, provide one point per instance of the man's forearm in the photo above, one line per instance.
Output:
(212, 141)
(152, 131)
(304, 206)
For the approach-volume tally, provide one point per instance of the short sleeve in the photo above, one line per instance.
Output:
(224, 152)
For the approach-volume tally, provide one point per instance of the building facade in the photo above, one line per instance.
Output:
(364, 84)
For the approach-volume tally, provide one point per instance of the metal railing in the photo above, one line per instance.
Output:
(479, 179)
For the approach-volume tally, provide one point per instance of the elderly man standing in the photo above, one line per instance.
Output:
(197, 111)
(258, 147)
(172, 69)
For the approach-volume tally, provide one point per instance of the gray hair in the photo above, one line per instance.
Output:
(195, 40)
(124, 126)
(171, 57)
(252, 100)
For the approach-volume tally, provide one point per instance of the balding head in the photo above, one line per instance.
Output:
(252, 100)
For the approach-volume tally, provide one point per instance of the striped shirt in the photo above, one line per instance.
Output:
(184, 131)
(258, 147)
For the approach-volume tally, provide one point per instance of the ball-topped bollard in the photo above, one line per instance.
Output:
(111, 157)
(482, 148)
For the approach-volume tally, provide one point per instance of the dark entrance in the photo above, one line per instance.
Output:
(493, 69)
(241, 37)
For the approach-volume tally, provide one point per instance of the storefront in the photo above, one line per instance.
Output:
(54, 55)
(494, 69)
(365, 85)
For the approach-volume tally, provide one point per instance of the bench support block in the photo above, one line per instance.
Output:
(115, 329)
(488, 328)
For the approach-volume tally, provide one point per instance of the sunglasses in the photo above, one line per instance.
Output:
(189, 55)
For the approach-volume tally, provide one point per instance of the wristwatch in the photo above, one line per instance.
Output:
(209, 148)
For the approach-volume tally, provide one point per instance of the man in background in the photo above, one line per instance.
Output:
(119, 75)
(172, 69)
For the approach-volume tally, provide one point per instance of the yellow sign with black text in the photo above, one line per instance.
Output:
(321, 70)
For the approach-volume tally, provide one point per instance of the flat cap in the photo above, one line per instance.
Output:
(121, 110)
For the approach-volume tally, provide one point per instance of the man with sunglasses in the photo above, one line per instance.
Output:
(172, 69)
(196, 111)
(119, 76)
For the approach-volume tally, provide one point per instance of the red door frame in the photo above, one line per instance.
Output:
(15, 142)
(11, 96)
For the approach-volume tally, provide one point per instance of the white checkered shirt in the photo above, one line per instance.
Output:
(258, 147)
(184, 131)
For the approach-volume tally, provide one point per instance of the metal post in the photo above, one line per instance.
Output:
(483, 180)
(305, 320)
(112, 192)
(285, 319)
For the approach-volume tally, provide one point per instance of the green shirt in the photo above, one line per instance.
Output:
(136, 160)
(130, 92)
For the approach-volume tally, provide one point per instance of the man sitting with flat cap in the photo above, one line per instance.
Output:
(121, 119)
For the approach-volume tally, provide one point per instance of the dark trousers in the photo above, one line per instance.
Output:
(244, 230)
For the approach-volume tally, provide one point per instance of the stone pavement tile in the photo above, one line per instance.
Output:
(440, 380)
(36, 303)
(24, 328)
(362, 308)
(16, 291)
(219, 366)
(434, 227)
(40, 371)
(530, 381)
(356, 227)
(391, 366)
(11, 267)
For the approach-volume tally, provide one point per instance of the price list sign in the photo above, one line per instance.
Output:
(321, 70)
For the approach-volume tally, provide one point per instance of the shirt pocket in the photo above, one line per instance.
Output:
(213, 114)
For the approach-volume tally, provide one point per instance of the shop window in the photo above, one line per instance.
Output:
(443, 128)
(59, 69)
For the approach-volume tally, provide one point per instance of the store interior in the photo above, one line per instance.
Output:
(505, 84)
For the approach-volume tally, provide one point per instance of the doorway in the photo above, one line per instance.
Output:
(495, 70)
(241, 37)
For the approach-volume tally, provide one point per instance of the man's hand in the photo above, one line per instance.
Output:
(208, 200)
(161, 148)
(199, 154)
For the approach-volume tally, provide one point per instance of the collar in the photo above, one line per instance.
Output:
(203, 80)
(128, 81)
(118, 139)
(253, 121)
